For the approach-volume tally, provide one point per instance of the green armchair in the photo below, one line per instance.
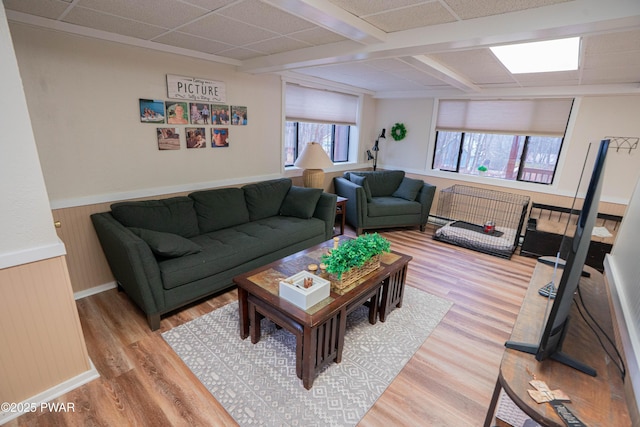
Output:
(382, 199)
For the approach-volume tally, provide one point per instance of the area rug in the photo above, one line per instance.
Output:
(257, 384)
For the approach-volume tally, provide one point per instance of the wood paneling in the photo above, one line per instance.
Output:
(448, 382)
(40, 336)
(88, 267)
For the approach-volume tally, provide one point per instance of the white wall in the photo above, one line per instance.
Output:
(599, 117)
(593, 119)
(83, 96)
(27, 226)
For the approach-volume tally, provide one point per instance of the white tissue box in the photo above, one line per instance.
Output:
(292, 289)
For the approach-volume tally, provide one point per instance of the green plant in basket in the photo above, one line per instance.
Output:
(354, 253)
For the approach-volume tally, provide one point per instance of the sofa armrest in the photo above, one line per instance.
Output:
(356, 200)
(132, 263)
(425, 197)
(326, 211)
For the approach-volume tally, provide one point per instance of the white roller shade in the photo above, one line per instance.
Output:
(305, 104)
(514, 117)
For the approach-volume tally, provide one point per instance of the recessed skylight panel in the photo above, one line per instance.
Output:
(540, 57)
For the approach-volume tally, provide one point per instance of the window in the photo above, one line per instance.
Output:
(320, 116)
(512, 140)
(333, 138)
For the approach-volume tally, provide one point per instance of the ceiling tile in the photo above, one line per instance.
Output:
(225, 30)
(188, 41)
(611, 75)
(411, 17)
(240, 53)
(419, 77)
(478, 65)
(51, 9)
(210, 4)
(113, 24)
(553, 78)
(317, 36)
(466, 9)
(263, 15)
(277, 45)
(612, 60)
(163, 13)
(368, 7)
(614, 42)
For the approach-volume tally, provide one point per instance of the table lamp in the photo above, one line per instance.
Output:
(313, 160)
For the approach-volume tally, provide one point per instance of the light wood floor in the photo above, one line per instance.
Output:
(448, 382)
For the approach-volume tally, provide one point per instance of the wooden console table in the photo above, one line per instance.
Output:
(596, 401)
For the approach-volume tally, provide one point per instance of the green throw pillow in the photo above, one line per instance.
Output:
(409, 189)
(174, 215)
(300, 202)
(361, 181)
(166, 244)
(265, 198)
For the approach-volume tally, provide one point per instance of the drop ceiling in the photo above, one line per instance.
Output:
(387, 48)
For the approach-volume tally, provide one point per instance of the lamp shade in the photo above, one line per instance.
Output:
(313, 157)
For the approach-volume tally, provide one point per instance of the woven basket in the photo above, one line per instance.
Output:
(353, 275)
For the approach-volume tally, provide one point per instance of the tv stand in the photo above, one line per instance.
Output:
(558, 356)
(596, 400)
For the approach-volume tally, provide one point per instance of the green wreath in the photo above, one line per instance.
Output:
(398, 131)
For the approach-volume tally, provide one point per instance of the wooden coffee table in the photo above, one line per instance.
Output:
(319, 330)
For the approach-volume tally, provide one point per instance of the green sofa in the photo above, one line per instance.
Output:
(170, 252)
(383, 199)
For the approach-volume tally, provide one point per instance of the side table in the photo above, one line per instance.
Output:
(341, 210)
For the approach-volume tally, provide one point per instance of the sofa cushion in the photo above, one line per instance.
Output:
(174, 215)
(167, 245)
(409, 189)
(300, 202)
(382, 183)
(231, 247)
(220, 208)
(362, 182)
(390, 206)
(265, 198)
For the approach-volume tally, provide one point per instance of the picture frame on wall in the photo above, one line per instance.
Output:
(168, 138)
(238, 115)
(219, 137)
(196, 137)
(219, 114)
(199, 114)
(177, 113)
(151, 111)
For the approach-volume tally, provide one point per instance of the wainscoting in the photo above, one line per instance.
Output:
(40, 326)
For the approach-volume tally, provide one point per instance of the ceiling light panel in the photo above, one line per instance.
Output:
(540, 57)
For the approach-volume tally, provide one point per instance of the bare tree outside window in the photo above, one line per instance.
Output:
(510, 157)
(333, 138)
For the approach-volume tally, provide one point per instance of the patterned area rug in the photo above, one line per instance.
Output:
(257, 384)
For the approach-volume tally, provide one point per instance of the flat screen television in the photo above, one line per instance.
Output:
(555, 328)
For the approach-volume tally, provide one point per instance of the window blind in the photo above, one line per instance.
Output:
(305, 104)
(547, 116)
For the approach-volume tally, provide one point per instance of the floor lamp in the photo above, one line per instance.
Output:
(375, 150)
(313, 160)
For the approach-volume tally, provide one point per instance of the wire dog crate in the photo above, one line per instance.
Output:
(484, 220)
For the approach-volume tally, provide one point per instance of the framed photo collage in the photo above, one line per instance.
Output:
(205, 124)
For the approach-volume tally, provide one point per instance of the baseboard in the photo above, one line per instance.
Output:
(95, 290)
(38, 402)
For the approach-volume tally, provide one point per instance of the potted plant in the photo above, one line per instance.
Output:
(354, 254)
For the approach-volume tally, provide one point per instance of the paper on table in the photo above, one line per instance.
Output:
(601, 232)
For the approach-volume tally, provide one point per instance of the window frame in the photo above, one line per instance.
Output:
(296, 143)
(521, 163)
